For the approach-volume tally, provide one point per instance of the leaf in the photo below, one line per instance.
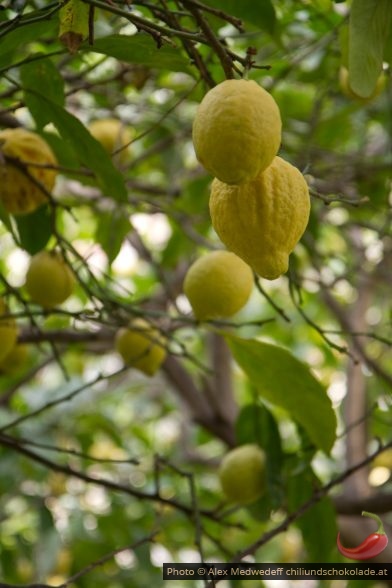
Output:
(20, 36)
(256, 424)
(34, 229)
(41, 74)
(283, 380)
(89, 151)
(260, 13)
(111, 230)
(318, 524)
(142, 49)
(370, 22)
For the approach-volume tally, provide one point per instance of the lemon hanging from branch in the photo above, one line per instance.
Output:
(237, 131)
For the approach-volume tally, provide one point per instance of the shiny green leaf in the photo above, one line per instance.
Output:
(142, 49)
(283, 380)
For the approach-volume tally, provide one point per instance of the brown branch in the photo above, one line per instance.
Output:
(224, 57)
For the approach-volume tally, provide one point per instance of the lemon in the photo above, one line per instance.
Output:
(383, 460)
(49, 280)
(141, 346)
(242, 474)
(349, 92)
(113, 135)
(8, 331)
(21, 149)
(263, 220)
(237, 131)
(14, 360)
(218, 284)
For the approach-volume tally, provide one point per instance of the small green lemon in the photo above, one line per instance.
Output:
(242, 474)
(218, 284)
(49, 280)
(113, 135)
(141, 346)
(8, 331)
(262, 221)
(237, 131)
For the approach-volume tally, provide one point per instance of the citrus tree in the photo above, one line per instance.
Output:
(192, 369)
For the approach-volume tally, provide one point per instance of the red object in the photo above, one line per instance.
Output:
(371, 546)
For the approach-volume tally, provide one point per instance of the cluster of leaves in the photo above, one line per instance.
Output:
(101, 464)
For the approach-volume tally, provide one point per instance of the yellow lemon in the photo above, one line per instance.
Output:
(23, 170)
(349, 92)
(383, 460)
(8, 331)
(113, 135)
(141, 346)
(242, 474)
(218, 284)
(49, 280)
(263, 220)
(14, 360)
(237, 131)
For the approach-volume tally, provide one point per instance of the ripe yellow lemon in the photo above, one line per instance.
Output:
(263, 220)
(25, 154)
(49, 280)
(113, 135)
(242, 474)
(237, 131)
(141, 346)
(8, 331)
(218, 284)
(349, 92)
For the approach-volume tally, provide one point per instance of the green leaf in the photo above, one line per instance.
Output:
(260, 13)
(41, 74)
(256, 424)
(111, 230)
(20, 36)
(318, 524)
(142, 49)
(34, 229)
(89, 151)
(5, 217)
(370, 22)
(284, 381)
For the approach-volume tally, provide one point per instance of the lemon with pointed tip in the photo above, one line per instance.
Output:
(141, 346)
(8, 331)
(262, 221)
(218, 284)
(237, 131)
(242, 474)
(49, 280)
(23, 172)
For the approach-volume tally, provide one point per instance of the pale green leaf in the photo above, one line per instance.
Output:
(369, 26)
(283, 380)
(143, 50)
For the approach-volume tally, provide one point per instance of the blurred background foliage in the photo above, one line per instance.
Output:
(70, 413)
